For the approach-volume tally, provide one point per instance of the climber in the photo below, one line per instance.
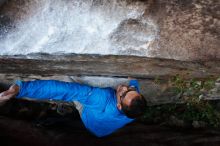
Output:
(102, 110)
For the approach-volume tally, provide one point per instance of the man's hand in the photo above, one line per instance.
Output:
(8, 94)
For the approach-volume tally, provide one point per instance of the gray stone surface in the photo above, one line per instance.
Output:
(119, 66)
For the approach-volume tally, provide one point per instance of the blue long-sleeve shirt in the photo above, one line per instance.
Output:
(100, 114)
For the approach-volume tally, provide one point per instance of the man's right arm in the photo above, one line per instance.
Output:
(52, 90)
(46, 89)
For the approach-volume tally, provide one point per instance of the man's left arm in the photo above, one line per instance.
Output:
(134, 82)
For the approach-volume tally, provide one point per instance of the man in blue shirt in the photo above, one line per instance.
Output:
(102, 110)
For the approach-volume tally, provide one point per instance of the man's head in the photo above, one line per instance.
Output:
(130, 101)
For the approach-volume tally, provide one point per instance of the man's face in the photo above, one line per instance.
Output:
(125, 95)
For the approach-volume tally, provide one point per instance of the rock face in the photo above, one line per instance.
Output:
(176, 29)
(189, 30)
(119, 66)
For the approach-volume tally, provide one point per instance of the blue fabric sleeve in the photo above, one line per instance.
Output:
(53, 90)
(135, 83)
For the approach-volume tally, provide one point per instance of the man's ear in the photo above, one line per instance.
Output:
(119, 106)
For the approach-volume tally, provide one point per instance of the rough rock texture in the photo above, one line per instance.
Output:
(189, 30)
(121, 66)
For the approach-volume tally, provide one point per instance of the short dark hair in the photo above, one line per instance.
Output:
(136, 108)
